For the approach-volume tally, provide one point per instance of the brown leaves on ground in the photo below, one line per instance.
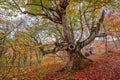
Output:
(105, 67)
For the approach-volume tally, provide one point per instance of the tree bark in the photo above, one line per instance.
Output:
(76, 61)
(114, 42)
(66, 28)
(106, 45)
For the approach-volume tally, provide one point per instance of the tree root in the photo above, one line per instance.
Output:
(61, 69)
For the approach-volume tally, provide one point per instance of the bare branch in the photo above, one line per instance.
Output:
(81, 24)
(94, 31)
(101, 35)
(17, 6)
(86, 22)
(58, 47)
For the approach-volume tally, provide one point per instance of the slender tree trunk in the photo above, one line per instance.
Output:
(25, 59)
(19, 60)
(118, 41)
(37, 57)
(117, 38)
(106, 45)
(30, 54)
(114, 43)
(2, 51)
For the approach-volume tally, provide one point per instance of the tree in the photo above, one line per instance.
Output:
(65, 13)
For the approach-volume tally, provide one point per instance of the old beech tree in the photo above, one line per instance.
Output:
(90, 13)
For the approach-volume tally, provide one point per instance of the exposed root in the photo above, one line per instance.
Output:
(67, 75)
(61, 69)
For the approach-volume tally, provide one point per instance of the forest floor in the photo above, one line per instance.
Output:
(105, 67)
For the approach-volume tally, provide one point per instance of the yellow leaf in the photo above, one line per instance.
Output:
(14, 79)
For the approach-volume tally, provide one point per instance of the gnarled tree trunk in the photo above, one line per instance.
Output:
(76, 61)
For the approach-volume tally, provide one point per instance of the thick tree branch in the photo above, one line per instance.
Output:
(101, 35)
(94, 32)
(48, 13)
(87, 24)
(64, 3)
(58, 47)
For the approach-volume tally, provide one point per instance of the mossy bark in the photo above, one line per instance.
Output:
(76, 61)
(79, 61)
